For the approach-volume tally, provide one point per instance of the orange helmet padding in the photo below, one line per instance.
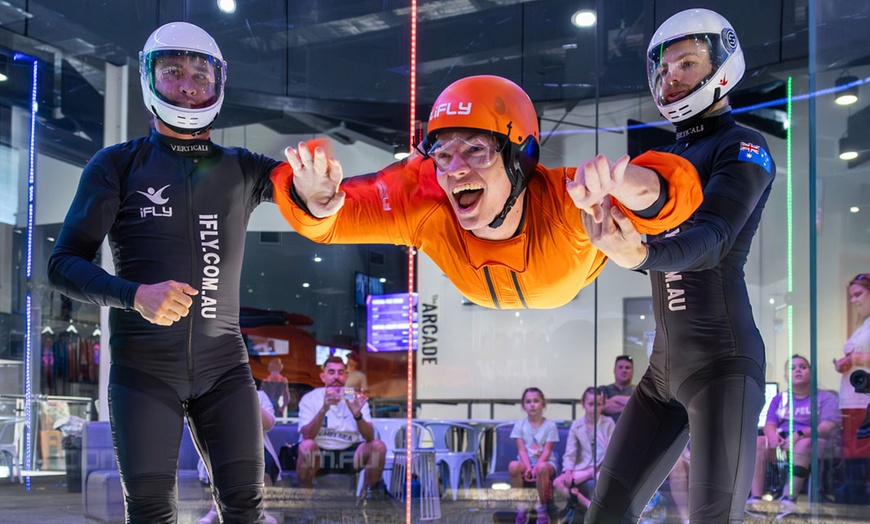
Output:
(488, 103)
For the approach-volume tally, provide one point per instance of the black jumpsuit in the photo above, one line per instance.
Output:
(173, 210)
(706, 371)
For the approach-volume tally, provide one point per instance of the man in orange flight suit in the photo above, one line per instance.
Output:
(505, 230)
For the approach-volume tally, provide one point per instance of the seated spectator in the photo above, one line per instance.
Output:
(584, 451)
(617, 394)
(336, 432)
(275, 386)
(535, 464)
(273, 470)
(774, 444)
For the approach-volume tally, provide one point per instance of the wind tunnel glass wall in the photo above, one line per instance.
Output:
(342, 71)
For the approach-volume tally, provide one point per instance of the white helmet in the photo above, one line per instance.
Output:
(180, 42)
(726, 56)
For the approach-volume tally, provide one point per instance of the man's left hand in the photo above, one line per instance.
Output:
(356, 405)
(616, 236)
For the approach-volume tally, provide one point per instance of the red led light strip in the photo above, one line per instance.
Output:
(409, 395)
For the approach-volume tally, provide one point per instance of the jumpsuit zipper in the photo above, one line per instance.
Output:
(193, 254)
(519, 291)
(491, 288)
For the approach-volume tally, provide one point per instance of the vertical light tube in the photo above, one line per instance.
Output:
(409, 395)
(789, 221)
(28, 329)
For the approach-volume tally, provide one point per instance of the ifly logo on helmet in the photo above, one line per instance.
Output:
(447, 108)
(156, 197)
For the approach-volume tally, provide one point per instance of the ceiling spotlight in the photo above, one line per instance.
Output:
(854, 209)
(227, 6)
(846, 90)
(583, 18)
(849, 148)
(317, 258)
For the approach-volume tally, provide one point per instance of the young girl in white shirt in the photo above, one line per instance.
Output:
(536, 464)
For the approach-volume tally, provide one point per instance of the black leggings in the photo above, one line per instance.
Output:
(147, 418)
(652, 433)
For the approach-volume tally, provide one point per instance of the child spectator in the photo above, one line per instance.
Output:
(584, 451)
(535, 464)
(276, 387)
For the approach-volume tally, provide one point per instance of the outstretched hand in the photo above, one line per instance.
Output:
(594, 180)
(164, 303)
(316, 179)
(615, 236)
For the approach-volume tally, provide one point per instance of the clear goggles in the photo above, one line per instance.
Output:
(199, 73)
(476, 151)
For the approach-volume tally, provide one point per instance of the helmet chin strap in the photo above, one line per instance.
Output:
(508, 205)
(183, 131)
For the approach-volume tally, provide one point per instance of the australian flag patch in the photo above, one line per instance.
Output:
(750, 152)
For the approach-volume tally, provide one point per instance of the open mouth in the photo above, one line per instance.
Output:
(673, 96)
(467, 195)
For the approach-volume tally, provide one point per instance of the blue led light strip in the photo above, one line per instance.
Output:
(28, 339)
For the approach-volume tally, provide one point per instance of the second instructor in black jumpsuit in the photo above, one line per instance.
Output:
(175, 207)
(706, 371)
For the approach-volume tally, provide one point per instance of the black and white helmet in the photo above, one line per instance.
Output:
(181, 40)
(726, 56)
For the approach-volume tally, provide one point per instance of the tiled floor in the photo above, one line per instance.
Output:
(49, 502)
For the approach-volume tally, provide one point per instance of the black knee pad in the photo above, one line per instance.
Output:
(801, 472)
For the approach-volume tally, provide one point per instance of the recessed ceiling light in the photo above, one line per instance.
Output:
(317, 258)
(306, 284)
(227, 6)
(854, 209)
(583, 18)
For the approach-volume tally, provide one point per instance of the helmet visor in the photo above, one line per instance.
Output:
(184, 79)
(477, 150)
(678, 67)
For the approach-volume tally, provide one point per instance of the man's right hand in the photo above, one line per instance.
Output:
(316, 179)
(164, 303)
(332, 396)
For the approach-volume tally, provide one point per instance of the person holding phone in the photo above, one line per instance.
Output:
(336, 432)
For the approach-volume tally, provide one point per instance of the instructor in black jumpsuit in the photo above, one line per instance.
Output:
(175, 207)
(706, 370)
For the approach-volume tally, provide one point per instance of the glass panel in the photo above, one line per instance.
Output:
(341, 71)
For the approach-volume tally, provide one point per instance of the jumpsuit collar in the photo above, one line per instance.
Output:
(703, 127)
(192, 148)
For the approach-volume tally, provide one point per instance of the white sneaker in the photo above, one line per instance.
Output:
(755, 505)
(209, 518)
(787, 506)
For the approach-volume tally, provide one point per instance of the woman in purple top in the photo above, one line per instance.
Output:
(776, 433)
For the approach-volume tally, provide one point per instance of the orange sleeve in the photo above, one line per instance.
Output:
(377, 209)
(684, 192)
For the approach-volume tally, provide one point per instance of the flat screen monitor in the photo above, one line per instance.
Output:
(771, 389)
(268, 346)
(365, 285)
(387, 322)
(321, 353)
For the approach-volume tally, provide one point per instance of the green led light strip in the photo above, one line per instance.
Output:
(789, 217)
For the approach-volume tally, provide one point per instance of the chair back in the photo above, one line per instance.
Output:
(391, 431)
(504, 449)
(8, 434)
(454, 436)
